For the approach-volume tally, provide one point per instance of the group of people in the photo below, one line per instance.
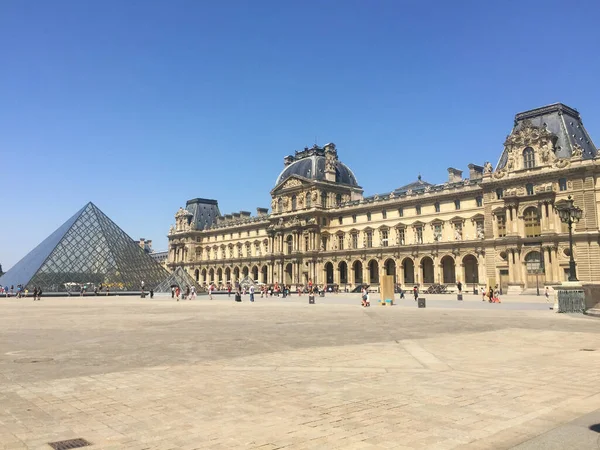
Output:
(189, 294)
(20, 292)
(491, 294)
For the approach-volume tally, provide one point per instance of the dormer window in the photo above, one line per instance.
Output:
(528, 158)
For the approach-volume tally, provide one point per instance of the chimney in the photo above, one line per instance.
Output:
(262, 211)
(330, 160)
(475, 172)
(235, 216)
(454, 175)
(245, 214)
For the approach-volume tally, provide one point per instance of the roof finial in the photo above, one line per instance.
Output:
(419, 177)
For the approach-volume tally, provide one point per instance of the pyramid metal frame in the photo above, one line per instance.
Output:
(89, 250)
(181, 278)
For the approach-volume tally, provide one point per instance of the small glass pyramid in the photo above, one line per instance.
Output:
(88, 251)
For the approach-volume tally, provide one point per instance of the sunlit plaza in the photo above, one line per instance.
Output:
(132, 373)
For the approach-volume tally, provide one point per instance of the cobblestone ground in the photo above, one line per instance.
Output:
(127, 373)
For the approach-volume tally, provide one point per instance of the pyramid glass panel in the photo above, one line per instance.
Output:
(90, 251)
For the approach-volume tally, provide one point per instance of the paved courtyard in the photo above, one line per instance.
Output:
(127, 373)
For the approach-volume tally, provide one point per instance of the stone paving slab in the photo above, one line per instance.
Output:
(126, 373)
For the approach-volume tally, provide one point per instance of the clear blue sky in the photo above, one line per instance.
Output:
(141, 105)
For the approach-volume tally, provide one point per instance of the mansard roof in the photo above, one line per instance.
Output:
(560, 120)
(418, 185)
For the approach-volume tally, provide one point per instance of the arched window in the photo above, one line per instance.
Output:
(338, 199)
(308, 200)
(528, 158)
(293, 203)
(323, 200)
(290, 244)
(532, 222)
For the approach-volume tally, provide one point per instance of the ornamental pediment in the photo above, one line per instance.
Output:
(292, 182)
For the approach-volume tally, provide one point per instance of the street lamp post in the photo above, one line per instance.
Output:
(569, 214)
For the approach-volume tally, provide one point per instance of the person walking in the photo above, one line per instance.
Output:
(177, 292)
(547, 294)
(193, 296)
(459, 286)
(172, 291)
(252, 293)
(210, 289)
(416, 292)
(187, 293)
(39, 293)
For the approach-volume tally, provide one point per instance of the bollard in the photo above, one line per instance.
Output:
(459, 297)
(421, 302)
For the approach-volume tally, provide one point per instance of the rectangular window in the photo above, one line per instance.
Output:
(384, 238)
(341, 220)
(456, 204)
(248, 233)
(369, 239)
(479, 201)
(418, 210)
(401, 234)
(368, 217)
(401, 212)
(419, 234)
(501, 221)
(324, 221)
(499, 193)
(384, 214)
(355, 240)
(324, 243)
(437, 207)
(562, 184)
(353, 218)
(306, 243)
(340, 242)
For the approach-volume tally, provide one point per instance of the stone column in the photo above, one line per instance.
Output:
(366, 274)
(509, 221)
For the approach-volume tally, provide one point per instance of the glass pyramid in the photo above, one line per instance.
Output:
(178, 277)
(89, 250)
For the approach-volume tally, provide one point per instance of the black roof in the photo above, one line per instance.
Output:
(561, 120)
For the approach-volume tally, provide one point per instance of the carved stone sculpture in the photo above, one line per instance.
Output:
(487, 167)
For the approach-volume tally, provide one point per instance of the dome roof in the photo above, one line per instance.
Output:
(313, 167)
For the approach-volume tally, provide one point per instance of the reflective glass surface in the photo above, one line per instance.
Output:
(88, 251)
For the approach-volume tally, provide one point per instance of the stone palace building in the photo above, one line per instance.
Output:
(497, 225)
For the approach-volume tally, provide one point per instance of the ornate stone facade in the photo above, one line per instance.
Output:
(498, 226)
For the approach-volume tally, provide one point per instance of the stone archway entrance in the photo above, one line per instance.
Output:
(357, 269)
(408, 266)
(390, 268)
(343, 268)
(329, 273)
(471, 267)
(448, 270)
(428, 273)
(288, 274)
(373, 272)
